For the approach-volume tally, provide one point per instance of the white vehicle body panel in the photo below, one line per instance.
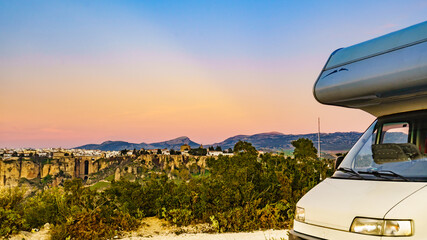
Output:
(414, 207)
(334, 203)
(327, 233)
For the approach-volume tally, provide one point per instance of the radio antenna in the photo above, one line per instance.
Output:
(318, 137)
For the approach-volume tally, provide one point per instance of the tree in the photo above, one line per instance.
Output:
(123, 152)
(245, 147)
(211, 148)
(184, 174)
(218, 148)
(159, 151)
(194, 168)
(198, 151)
(143, 152)
(304, 149)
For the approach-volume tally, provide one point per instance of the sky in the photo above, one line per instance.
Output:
(78, 72)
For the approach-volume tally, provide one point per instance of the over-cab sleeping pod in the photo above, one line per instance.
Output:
(382, 76)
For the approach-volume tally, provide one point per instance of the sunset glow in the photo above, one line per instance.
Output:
(81, 72)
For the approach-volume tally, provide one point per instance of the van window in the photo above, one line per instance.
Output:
(393, 148)
(364, 157)
(395, 132)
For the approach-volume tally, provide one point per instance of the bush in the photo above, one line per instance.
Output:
(11, 198)
(48, 206)
(179, 216)
(274, 216)
(90, 215)
(10, 222)
(94, 224)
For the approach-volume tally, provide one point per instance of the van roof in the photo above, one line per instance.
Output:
(389, 42)
(382, 76)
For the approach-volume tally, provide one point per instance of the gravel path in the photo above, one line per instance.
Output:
(158, 229)
(258, 235)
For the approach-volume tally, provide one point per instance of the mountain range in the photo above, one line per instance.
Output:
(272, 141)
(120, 145)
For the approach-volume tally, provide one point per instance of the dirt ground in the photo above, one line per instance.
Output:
(42, 234)
(258, 235)
(158, 229)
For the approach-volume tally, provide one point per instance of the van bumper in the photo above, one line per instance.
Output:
(299, 236)
(304, 231)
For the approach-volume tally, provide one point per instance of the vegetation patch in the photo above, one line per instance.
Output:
(102, 185)
(110, 178)
(243, 192)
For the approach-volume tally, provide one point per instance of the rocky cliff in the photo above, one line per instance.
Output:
(54, 171)
(12, 171)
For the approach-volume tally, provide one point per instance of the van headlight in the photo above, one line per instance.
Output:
(382, 227)
(300, 214)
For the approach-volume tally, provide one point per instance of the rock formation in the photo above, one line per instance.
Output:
(56, 170)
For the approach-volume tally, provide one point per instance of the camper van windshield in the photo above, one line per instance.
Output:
(393, 148)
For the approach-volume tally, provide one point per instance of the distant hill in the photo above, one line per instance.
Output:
(272, 141)
(278, 141)
(120, 145)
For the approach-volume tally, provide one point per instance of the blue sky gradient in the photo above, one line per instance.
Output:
(89, 71)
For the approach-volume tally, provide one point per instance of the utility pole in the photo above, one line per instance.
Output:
(318, 137)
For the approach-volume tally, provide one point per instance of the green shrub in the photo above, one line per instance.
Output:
(239, 218)
(48, 206)
(94, 224)
(274, 216)
(179, 216)
(11, 198)
(10, 222)
(90, 215)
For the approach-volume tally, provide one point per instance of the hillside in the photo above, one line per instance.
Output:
(279, 141)
(264, 141)
(120, 145)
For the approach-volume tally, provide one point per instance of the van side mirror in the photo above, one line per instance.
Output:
(338, 161)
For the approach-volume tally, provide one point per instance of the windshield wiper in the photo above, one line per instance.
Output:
(381, 173)
(350, 170)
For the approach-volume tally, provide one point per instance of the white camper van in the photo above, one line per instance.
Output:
(379, 190)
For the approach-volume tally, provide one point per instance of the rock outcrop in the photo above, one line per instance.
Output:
(12, 171)
(56, 170)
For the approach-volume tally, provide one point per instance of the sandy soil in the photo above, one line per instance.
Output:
(258, 235)
(42, 234)
(158, 229)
